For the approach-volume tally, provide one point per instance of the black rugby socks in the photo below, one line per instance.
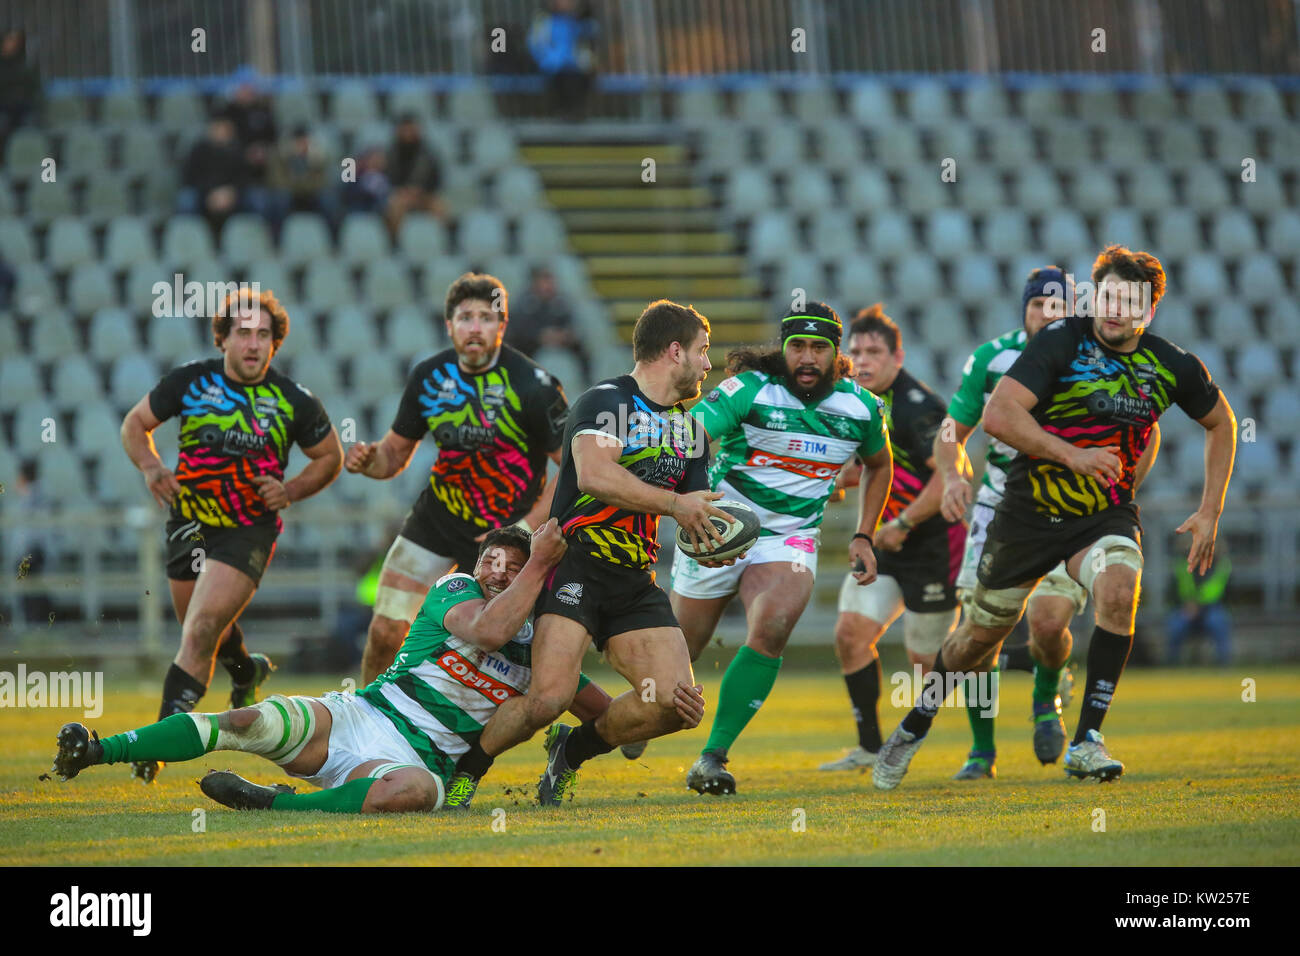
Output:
(583, 744)
(1107, 655)
(233, 656)
(864, 693)
(181, 693)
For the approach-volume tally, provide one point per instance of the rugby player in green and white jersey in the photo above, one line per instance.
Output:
(786, 422)
(391, 747)
(1058, 597)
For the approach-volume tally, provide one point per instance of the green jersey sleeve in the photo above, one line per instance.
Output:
(724, 408)
(876, 436)
(449, 591)
(967, 406)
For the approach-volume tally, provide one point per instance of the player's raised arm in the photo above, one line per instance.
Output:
(1220, 451)
(492, 623)
(595, 460)
(382, 459)
(137, 440)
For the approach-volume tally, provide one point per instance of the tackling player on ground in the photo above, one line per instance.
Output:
(1058, 597)
(918, 549)
(496, 416)
(391, 747)
(631, 454)
(786, 422)
(1080, 405)
(238, 419)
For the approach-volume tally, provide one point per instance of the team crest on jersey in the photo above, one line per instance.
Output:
(713, 396)
(214, 393)
(569, 593)
(542, 376)
(933, 592)
(457, 584)
(777, 420)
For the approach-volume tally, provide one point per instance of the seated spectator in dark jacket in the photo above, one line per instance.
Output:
(370, 191)
(542, 318)
(255, 131)
(20, 84)
(415, 173)
(214, 175)
(298, 179)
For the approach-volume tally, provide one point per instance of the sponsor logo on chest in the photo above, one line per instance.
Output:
(469, 673)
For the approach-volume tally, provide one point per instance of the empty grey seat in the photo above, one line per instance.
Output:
(492, 147)
(1011, 145)
(1155, 102)
(141, 277)
(749, 190)
(1098, 104)
(33, 289)
(722, 146)
(1150, 189)
(915, 277)
(809, 190)
(48, 201)
(1233, 233)
(68, 243)
(834, 232)
(840, 144)
(859, 280)
(1177, 232)
(1208, 103)
(1203, 278)
(414, 330)
(1122, 225)
(471, 103)
(176, 340)
(1281, 408)
(98, 432)
(867, 189)
(1122, 145)
(976, 279)
(363, 238)
(294, 106)
(373, 375)
(303, 239)
(352, 105)
(179, 109)
(801, 270)
(142, 151)
(84, 150)
(890, 234)
(1006, 230)
(107, 194)
(351, 329)
(25, 151)
(122, 106)
(928, 102)
(18, 382)
(327, 283)
(1036, 190)
(131, 377)
(1095, 189)
(757, 104)
(984, 100)
(949, 233)
(246, 241)
(1178, 145)
(1261, 101)
(386, 284)
(871, 103)
(186, 240)
(772, 235)
(440, 274)
(75, 383)
(1206, 188)
(898, 148)
(1259, 280)
(1265, 194)
(699, 106)
(1064, 234)
(90, 287)
(814, 105)
(113, 333)
(955, 140)
(421, 237)
(16, 242)
(1282, 323)
(65, 108)
(979, 188)
(481, 234)
(413, 99)
(519, 188)
(1042, 103)
(1174, 320)
(1230, 142)
(924, 191)
(461, 188)
(1231, 323)
(780, 148)
(541, 233)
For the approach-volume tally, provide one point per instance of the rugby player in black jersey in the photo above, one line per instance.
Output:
(1080, 406)
(238, 419)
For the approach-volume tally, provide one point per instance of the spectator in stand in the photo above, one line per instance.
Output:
(254, 121)
(214, 175)
(1201, 608)
(542, 318)
(370, 191)
(297, 178)
(561, 44)
(415, 173)
(20, 84)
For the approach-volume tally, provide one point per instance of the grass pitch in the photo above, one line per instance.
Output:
(1210, 780)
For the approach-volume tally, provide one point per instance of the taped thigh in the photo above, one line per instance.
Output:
(283, 728)
(997, 608)
(1058, 583)
(412, 561)
(1107, 551)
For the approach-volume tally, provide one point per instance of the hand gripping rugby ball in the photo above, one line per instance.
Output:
(737, 538)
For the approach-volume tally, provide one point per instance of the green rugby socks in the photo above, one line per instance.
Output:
(1046, 680)
(981, 726)
(746, 684)
(172, 739)
(348, 798)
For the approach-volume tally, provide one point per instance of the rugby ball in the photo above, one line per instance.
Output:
(737, 538)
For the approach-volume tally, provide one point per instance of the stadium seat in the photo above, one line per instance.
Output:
(412, 98)
(1150, 189)
(1284, 147)
(1233, 233)
(898, 149)
(1174, 321)
(122, 106)
(1036, 190)
(304, 238)
(815, 105)
(871, 104)
(1208, 103)
(10, 340)
(1259, 369)
(186, 240)
(351, 329)
(107, 194)
(1205, 188)
(386, 284)
(1265, 194)
(112, 333)
(1042, 103)
(90, 287)
(1094, 189)
(440, 274)
(890, 234)
(541, 233)
(1067, 144)
(1011, 145)
(19, 382)
(327, 283)
(34, 291)
(781, 148)
(462, 188)
(68, 243)
(178, 109)
(1123, 225)
(139, 286)
(749, 190)
(62, 477)
(772, 235)
(940, 322)
(16, 242)
(1121, 145)
(492, 147)
(840, 145)
(802, 270)
(1230, 323)
(859, 282)
(98, 431)
(471, 103)
(975, 279)
(481, 234)
(916, 278)
(373, 374)
(1282, 232)
(570, 276)
(722, 146)
(519, 188)
(1282, 324)
(1258, 465)
(928, 102)
(84, 150)
(246, 240)
(1261, 101)
(924, 191)
(142, 151)
(948, 233)
(984, 100)
(352, 105)
(1063, 235)
(1202, 277)
(25, 151)
(954, 140)
(867, 189)
(1281, 410)
(75, 383)
(65, 108)
(918, 359)
(421, 238)
(294, 106)
(1155, 102)
(1260, 280)
(1177, 145)
(33, 415)
(834, 232)
(415, 330)
(1177, 232)
(1098, 104)
(809, 190)
(175, 340)
(118, 482)
(757, 104)
(1005, 231)
(699, 106)
(1231, 142)
(48, 201)
(363, 238)
(979, 189)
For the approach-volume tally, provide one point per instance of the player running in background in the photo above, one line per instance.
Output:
(786, 422)
(918, 549)
(392, 746)
(496, 416)
(238, 418)
(1058, 597)
(631, 454)
(1080, 405)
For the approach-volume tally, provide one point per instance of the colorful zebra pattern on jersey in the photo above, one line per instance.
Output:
(494, 430)
(1092, 396)
(231, 433)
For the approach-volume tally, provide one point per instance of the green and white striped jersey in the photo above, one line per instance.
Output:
(983, 369)
(441, 690)
(779, 455)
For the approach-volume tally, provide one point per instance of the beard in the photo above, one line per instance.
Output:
(817, 391)
(688, 386)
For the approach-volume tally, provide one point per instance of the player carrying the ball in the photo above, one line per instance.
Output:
(238, 419)
(391, 747)
(1080, 405)
(786, 422)
(496, 417)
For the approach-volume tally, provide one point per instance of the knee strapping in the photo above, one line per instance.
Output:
(1110, 550)
(1000, 608)
(282, 729)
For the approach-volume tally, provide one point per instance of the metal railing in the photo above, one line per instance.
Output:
(653, 40)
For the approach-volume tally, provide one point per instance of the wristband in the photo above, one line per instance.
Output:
(865, 537)
(903, 522)
(523, 523)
